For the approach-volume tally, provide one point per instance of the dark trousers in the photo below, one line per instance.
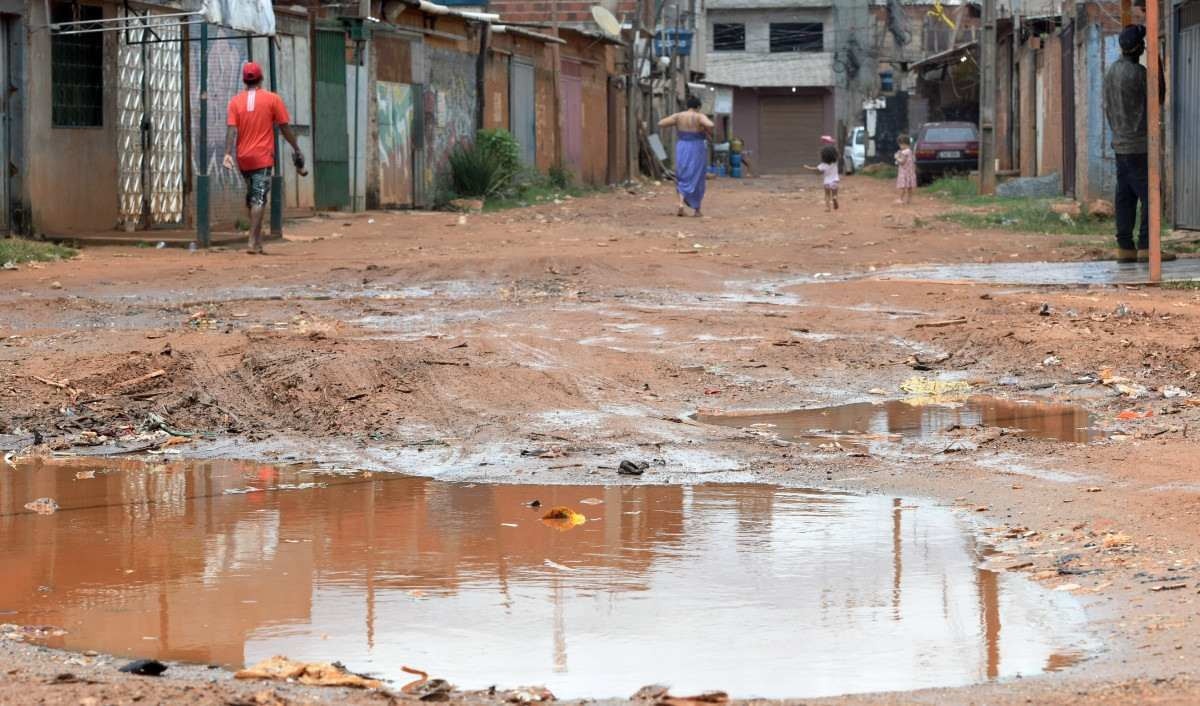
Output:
(1133, 185)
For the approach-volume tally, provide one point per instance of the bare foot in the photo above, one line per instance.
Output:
(697, 214)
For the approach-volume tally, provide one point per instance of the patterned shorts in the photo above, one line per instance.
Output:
(258, 183)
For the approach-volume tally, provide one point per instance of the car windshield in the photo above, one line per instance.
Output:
(860, 137)
(950, 134)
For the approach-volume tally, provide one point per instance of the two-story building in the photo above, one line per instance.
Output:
(779, 57)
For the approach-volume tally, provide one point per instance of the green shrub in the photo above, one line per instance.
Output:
(561, 177)
(504, 149)
(18, 250)
(486, 167)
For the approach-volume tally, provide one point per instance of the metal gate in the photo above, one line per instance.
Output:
(788, 129)
(1187, 131)
(572, 95)
(394, 116)
(523, 110)
(331, 146)
(150, 127)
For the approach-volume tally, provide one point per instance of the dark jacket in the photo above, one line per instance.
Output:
(1125, 105)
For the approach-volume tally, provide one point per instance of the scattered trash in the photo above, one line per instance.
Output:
(1170, 392)
(534, 503)
(1169, 587)
(1050, 361)
(877, 391)
(631, 468)
(310, 673)
(20, 633)
(10, 265)
(918, 385)
(941, 324)
(708, 697)
(1044, 310)
(161, 244)
(1095, 490)
(1134, 414)
(1116, 540)
(1131, 391)
(1068, 587)
(591, 501)
(563, 518)
(556, 565)
(56, 285)
(85, 475)
(529, 695)
(424, 688)
(1122, 311)
(144, 668)
(43, 506)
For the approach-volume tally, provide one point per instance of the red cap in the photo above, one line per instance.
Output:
(251, 72)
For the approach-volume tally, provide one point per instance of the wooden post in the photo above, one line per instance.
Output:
(987, 100)
(1126, 12)
(631, 91)
(1154, 144)
(485, 35)
(556, 57)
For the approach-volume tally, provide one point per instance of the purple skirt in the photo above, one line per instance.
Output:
(691, 166)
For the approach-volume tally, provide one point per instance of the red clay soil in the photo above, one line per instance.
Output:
(604, 321)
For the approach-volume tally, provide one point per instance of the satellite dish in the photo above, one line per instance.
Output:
(607, 22)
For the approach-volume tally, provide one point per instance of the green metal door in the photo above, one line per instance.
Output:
(331, 143)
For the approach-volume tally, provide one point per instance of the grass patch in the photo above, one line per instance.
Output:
(1028, 216)
(18, 250)
(1022, 215)
(1187, 284)
(530, 196)
(879, 171)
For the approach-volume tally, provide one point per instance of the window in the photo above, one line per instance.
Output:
(729, 36)
(797, 36)
(951, 134)
(77, 70)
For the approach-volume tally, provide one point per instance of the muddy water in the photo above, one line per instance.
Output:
(1048, 273)
(901, 418)
(759, 590)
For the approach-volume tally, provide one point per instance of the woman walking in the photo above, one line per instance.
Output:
(691, 154)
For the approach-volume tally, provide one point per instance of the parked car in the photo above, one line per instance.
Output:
(946, 148)
(854, 154)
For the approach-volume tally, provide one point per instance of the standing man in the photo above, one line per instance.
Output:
(252, 117)
(1125, 108)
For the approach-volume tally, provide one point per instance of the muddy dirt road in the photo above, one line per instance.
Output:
(546, 345)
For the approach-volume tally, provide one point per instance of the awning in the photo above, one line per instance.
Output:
(944, 57)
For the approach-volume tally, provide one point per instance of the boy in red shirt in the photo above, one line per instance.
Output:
(252, 117)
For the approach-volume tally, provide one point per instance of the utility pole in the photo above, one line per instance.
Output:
(556, 59)
(631, 126)
(1154, 144)
(987, 100)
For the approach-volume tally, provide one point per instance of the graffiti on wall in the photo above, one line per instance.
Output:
(449, 110)
(394, 113)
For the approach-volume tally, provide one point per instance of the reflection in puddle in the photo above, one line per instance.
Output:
(1060, 422)
(759, 590)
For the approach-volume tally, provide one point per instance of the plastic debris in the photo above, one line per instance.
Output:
(144, 668)
(529, 695)
(563, 518)
(917, 385)
(1171, 391)
(632, 468)
(311, 673)
(42, 506)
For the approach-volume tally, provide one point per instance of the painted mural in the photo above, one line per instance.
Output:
(449, 107)
(394, 112)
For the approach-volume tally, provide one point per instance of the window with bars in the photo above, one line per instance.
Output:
(797, 36)
(729, 36)
(77, 69)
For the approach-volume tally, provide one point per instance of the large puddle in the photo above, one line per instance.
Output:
(920, 419)
(757, 590)
(1099, 272)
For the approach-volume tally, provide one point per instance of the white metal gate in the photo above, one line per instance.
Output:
(1187, 132)
(150, 127)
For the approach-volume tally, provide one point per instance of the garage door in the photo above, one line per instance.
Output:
(789, 129)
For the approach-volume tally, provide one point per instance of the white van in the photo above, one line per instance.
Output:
(854, 154)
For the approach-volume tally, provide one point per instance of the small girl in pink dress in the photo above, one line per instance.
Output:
(906, 172)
